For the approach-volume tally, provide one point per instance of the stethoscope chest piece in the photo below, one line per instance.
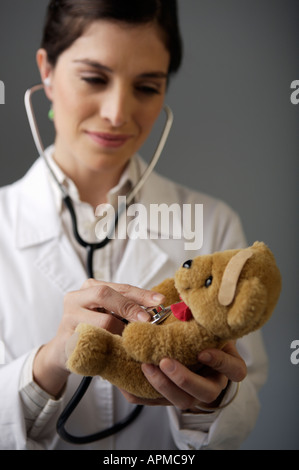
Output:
(159, 313)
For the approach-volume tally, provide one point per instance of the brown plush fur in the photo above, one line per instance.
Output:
(95, 351)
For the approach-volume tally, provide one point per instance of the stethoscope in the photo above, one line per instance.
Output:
(159, 314)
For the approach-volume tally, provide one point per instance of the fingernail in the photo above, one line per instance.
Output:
(205, 357)
(158, 298)
(167, 365)
(143, 316)
(148, 369)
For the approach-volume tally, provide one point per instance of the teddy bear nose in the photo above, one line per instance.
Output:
(187, 264)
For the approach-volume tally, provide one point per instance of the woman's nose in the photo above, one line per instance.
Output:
(116, 107)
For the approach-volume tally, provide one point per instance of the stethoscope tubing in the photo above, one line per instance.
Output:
(41, 150)
(72, 405)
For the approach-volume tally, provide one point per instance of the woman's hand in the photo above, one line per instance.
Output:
(92, 304)
(185, 389)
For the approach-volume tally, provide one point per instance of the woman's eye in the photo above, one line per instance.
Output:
(148, 90)
(94, 80)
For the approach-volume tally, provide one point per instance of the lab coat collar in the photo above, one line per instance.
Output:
(128, 179)
(37, 218)
(157, 191)
(39, 230)
(38, 222)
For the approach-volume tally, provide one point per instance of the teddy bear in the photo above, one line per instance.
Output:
(213, 299)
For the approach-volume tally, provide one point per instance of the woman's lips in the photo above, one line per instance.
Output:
(108, 140)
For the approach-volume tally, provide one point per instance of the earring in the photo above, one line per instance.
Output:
(51, 114)
(47, 81)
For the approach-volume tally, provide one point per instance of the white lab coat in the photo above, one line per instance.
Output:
(39, 266)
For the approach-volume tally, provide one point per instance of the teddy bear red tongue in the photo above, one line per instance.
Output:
(181, 311)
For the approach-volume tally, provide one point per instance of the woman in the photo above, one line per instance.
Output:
(106, 65)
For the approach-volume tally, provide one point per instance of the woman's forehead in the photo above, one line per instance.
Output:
(115, 44)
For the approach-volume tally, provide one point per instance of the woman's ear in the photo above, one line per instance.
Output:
(46, 71)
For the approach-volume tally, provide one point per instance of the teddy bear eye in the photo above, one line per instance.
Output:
(187, 264)
(208, 281)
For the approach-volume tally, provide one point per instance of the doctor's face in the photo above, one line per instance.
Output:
(107, 91)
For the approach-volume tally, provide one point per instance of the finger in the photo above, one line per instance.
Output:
(165, 386)
(106, 321)
(143, 297)
(145, 401)
(226, 361)
(75, 314)
(102, 296)
(205, 389)
(181, 387)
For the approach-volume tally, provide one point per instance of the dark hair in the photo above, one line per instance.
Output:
(66, 21)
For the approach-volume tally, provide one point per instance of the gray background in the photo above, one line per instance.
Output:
(235, 136)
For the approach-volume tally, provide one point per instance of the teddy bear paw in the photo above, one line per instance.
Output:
(140, 342)
(87, 349)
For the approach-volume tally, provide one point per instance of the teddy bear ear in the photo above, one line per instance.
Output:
(231, 275)
(249, 310)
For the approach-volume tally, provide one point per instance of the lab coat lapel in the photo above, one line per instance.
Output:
(155, 191)
(39, 230)
(141, 262)
(59, 263)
